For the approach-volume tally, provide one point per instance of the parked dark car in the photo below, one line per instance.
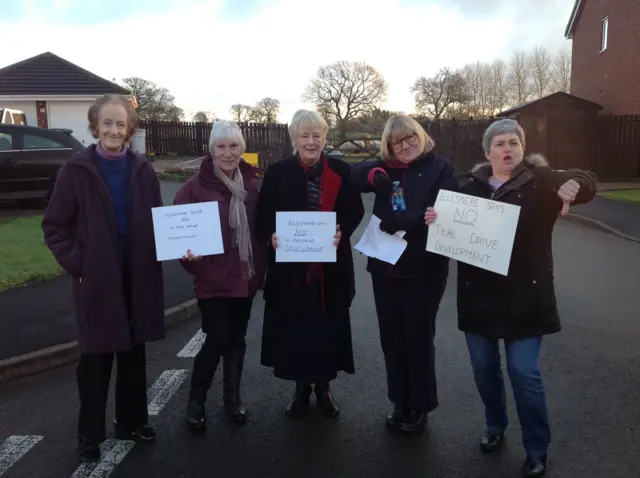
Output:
(30, 158)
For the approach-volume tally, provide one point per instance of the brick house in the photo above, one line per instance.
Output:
(54, 93)
(605, 65)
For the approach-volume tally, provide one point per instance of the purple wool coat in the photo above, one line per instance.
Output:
(80, 229)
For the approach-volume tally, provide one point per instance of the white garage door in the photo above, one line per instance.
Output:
(71, 115)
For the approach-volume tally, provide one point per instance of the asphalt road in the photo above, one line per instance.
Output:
(592, 372)
(40, 314)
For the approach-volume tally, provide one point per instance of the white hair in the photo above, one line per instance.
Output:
(226, 130)
(306, 118)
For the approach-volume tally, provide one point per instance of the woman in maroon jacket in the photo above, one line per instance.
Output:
(225, 284)
(99, 227)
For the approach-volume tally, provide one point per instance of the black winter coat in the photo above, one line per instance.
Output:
(523, 303)
(421, 181)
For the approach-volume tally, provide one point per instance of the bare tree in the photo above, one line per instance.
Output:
(154, 102)
(433, 96)
(541, 71)
(345, 90)
(240, 112)
(498, 87)
(203, 117)
(325, 112)
(269, 109)
(520, 77)
(561, 76)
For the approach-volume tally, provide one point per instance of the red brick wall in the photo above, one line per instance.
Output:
(41, 114)
(610, 78)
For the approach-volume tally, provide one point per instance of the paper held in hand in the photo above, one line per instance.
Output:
(187, 226)
(474, 230)
(306, 236)
(380, 245)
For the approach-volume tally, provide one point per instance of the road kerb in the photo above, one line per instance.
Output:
(588, 222)
(57, 356)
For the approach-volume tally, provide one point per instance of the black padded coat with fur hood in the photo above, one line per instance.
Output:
(523, 303)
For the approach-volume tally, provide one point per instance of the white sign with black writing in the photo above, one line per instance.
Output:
(306, 236)
(474, 230)
(187, 226)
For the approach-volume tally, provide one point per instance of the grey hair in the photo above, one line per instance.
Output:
(306, 118)
(226, 130)
(497, 128)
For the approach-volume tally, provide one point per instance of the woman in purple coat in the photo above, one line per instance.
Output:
(225, 284)
(99, 227)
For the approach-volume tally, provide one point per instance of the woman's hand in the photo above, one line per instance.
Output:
(430, 215)
(338, 236)
(274, 241)
(190, 256)
(568, 192)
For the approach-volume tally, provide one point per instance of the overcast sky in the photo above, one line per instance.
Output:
(213, 53)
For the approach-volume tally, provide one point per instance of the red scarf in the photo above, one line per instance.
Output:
(330, 183)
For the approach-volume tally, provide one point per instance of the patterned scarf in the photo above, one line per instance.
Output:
(238, 221)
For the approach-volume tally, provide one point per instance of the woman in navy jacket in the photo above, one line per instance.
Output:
(408, 294)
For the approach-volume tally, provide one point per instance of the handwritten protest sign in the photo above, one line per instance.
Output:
(474, 230)
(306, 236)
(187, 226)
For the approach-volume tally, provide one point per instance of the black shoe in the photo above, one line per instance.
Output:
(491, 441)
(535, 466)
(196, 414)
(233, 363)
(142, 433)
(395, 416)
(88, 449)
(300, 401)
(413, 422)
(326, 401)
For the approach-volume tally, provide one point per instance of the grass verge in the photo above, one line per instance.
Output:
(632, 195)
(24, 257)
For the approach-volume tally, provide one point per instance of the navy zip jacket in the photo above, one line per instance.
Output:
(420, 180)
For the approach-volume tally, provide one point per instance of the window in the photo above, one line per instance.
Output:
(19, 118)
(5, 142)
(605, 33)
(31, 141)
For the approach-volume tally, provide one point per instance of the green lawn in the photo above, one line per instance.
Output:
(23, 256)
(624, 195)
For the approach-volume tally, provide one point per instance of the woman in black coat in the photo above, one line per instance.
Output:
(307, 329)
(408, 294)
(519, 308)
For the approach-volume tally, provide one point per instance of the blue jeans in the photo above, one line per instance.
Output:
(528, 389)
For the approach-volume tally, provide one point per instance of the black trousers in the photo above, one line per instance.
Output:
(407, 312)
(94, 375)
(224, 320)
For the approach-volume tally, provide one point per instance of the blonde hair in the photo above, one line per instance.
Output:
(226, 130)
(306, 118)
(403, 125)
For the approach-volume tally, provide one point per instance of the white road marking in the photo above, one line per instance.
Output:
(14, 448)
(113, 452)
(194, 345)
(163, 389)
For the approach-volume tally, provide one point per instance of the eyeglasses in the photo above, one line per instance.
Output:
(411, 140)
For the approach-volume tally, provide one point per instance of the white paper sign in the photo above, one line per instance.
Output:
(187, 226)
(379, 244)
(474, 230)
(306, 236)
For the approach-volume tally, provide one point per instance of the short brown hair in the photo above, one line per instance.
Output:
(133, 120)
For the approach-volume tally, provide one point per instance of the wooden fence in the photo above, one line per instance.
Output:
(607, 145)
(187, 139)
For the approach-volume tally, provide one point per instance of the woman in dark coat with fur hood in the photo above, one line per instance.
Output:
(519, 308)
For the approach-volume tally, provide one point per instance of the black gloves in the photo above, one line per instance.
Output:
(394, 222)
(382, 183)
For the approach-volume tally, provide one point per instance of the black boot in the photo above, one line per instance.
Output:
(325, 400)
(413, 422)
(300, 401)
(196, 414)
(232, 374)
(535, 466)
(395, 416)
(491, 441)
(88, 450)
